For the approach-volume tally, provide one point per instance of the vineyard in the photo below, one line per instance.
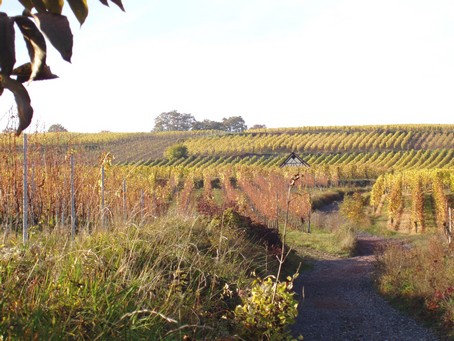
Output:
(412, 167)
(91, 185)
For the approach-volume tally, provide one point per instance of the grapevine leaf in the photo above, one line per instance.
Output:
(23, 102)
(23, 73)
(39, 5)
(54, 6)
(7, 46)
(57, 30)
(28, 4)
(116, 2)
(36, 44)
(80, 9)
(119, 4)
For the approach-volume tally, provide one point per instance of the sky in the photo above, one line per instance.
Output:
(281, 63)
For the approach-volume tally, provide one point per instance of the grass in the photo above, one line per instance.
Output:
(175, 277)
(338, 243)
(420, 279)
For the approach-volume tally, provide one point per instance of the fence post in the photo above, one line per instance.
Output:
(73, 200)
(124, 201)
(277, 211)
(102, 196)
(142, 205)
(32, 193)
(450, 226)
(25, 194)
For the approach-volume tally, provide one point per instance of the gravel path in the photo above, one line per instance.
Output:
(341, 304)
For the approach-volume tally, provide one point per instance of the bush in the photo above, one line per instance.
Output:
(176, 152)
(267, 310)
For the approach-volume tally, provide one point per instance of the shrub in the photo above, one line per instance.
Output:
(176, 152)
(267, 309)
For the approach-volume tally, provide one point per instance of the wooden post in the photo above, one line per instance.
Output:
(124, 201)
(277, 210)
(25, 195)
(102, 196)
(142, 205)
(450, 226)
(73, 200)
(32, 193)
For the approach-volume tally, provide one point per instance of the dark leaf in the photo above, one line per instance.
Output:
(57, 30)
(54, 6)
(104, 2)
(119, 4)
(28, 4)
(36, 44)
(80, 9)
(39, 5)
(23, 73)
(7, 47)
(23, 102)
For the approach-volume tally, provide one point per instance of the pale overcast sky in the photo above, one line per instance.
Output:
(280, 63)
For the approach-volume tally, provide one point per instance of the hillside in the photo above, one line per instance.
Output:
(379, 148)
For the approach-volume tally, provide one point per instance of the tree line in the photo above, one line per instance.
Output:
(175, 121)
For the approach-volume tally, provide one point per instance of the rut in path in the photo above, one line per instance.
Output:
(341, 303)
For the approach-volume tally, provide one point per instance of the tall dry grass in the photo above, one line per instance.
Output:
(421, 278)
(168, 279)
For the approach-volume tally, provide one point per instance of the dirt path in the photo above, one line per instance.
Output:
(341, 304)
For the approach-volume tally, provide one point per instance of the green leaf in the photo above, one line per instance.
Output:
(54, 6)
(36, 44)
(7, 46)
(57, 30)
(80, 9)
(23, 102)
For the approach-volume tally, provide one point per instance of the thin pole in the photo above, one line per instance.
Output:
(142, 205)
(102, 196)
(277, 210)
(450, 226)
(73, 200)
(25, 194)
(124, 200)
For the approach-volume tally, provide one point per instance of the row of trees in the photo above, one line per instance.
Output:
(174, 121)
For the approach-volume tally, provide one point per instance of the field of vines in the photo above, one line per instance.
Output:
(412, 166)
(105, 194)
(381, 148)
(417, 200)
(91, 184)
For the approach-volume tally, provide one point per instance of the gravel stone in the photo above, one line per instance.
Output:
(340, 302)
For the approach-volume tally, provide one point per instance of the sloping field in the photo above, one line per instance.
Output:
(381, 148)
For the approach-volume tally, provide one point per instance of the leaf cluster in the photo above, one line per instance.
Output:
(264, 318)
(41, 20)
